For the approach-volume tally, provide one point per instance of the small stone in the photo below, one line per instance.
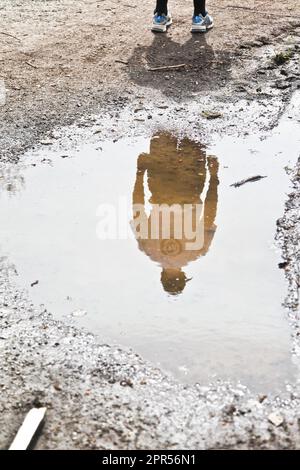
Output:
(126, 383)
(229, 409)
(57, 386)
(275, 418)
(212, 114)
(262, 398)
(79, 313)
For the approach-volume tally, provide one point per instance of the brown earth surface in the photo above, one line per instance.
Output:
(62, 59)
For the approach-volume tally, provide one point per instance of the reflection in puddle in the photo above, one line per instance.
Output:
(224, 314)
(176, 173)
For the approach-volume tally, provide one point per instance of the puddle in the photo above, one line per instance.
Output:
(196, 309)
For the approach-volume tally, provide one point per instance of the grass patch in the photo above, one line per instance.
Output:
(283, 57)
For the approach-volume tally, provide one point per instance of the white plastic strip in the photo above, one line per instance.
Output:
(28, 429)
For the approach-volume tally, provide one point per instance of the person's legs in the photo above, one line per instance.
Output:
(199, 7)
(161, 7)
(202, 21)
(162, 20)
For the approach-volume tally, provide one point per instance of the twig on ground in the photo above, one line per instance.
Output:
(31, 65)
(120, 61)
(10, 35)
(239, 7)
(252, 179)
(166, 67)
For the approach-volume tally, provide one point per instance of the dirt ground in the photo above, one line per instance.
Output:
(61, 59)
(63, 62)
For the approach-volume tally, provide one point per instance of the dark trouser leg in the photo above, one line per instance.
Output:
(161, 6)
(199, 7)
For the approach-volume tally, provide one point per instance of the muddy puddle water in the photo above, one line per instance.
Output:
(211, 305)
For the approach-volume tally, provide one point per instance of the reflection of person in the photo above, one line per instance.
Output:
(201, 21)
(178, 172)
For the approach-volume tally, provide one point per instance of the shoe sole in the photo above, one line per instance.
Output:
(161, 28)
(201, 29)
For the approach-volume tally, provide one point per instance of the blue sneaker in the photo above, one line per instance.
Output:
(201, 24)
(161, 22)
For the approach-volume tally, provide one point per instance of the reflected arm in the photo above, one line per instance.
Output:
(138, 196)
(210, 204)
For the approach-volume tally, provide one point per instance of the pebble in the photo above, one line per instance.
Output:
(275, 418)
(79, 313)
